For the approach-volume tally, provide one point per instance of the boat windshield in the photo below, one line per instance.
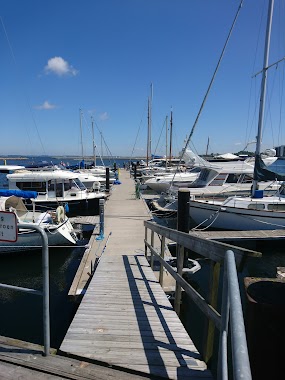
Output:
(79, 184)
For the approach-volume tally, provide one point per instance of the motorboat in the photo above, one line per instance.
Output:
(57, 187)
(162, 183)
(55, 223)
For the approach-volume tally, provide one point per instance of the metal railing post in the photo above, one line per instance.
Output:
(45, 291)
(240, 358)
(232, 310)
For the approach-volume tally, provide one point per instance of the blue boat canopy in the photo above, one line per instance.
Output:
(18, 193)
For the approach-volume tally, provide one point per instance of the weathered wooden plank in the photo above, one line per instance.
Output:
(23, 360)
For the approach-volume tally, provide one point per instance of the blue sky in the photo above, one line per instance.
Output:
(101, 56)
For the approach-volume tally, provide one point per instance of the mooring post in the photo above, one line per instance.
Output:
(101, 211)
(181, 253)
(183, 216)
(107, 180)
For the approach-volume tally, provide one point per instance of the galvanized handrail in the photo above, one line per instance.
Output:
(231, 305)
(232, 310)
(45, 291)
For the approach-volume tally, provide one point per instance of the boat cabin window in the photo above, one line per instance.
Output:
(50, 186)
(233, 178)
(58, 191)
(204, 174)
(256, 206)
(35, 186)
(276, 207)
(67, 185)
(79, 184)
(245, 178)
(195, 170)
(218, 180)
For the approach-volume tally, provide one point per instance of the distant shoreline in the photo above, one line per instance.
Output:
(89, 158)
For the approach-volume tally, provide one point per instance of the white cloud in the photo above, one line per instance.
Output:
(104, 116)
(60, 67)
(46, 106)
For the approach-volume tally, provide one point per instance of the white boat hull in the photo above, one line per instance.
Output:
(30, 240)
(233, 218)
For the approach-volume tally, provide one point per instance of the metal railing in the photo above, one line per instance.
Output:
(45, 292)
(231, 310)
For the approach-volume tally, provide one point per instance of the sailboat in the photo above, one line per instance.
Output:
(254, 212)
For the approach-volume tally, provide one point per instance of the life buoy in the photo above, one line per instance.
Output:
(60, 214)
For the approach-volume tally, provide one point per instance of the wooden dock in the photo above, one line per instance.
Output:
(125, 319)
(25, 361)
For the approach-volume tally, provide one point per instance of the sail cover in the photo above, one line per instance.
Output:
(275, 171)
(19, 193)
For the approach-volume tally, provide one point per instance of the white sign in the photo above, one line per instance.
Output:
(8, 226)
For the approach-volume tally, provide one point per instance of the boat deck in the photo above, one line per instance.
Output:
(125, 318)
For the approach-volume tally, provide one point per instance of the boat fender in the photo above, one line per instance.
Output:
(60, 214)
(66, 208)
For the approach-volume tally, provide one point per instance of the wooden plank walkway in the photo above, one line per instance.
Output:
(23, 360)
(125, 318)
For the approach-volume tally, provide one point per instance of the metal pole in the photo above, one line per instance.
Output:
(101, 208)
(223, 354)
(45, 269)
(263, 91)
(241, 366)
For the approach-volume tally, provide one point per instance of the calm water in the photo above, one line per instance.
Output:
(21, 314)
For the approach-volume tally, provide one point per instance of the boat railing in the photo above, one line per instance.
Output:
(231, 309)
(45, 292)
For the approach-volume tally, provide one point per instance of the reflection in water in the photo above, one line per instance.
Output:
(21, 314)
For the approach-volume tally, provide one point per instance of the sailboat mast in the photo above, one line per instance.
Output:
(207, 146)
(166, 138)
(263, 89)
(93, 141)
(82, 154)
(170, 137)
(148, 152)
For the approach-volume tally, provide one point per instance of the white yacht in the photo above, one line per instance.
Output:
(57, 187)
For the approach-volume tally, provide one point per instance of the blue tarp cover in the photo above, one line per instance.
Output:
(273, 172)
(18, 193)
